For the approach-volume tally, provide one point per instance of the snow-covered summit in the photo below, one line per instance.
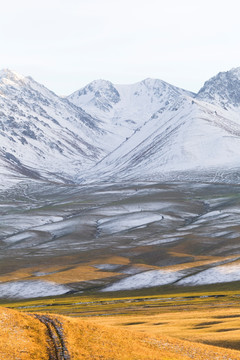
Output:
(8, 78)
(101, 97)
(222, 89)
(124, 108)
(100, 93)
(10, 75)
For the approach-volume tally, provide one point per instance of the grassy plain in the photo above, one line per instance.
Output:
(177, 322)
(23, 337)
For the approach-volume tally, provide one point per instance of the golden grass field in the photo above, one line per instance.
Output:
(204, 325)
(23, 338)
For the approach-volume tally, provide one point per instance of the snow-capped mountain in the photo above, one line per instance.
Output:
(198, 133)
(146, 130)
(124, 108)
(43, 134)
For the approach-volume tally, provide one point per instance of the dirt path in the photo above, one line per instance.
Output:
(57, 348)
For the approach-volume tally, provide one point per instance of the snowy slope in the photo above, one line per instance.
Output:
(146, 130)
(187, 135)
(123, 108)
(42, 132)
(164, 129)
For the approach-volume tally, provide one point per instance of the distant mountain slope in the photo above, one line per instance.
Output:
(145, 130)
(43, 132)
(124, 108)
(200, 133)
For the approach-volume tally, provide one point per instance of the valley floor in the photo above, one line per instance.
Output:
(44, 337)
(173, 326)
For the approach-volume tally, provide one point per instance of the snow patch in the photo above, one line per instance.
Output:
(125, 222)
(218, 274)
(107, 267)
(31, 289)
(146, 279)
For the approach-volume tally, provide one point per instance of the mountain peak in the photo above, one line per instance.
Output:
(100, 92)
(152, 81)
(98, 87)
(10, 75)
(223, 89)
(99, 83)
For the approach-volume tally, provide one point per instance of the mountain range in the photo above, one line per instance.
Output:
(150, 130)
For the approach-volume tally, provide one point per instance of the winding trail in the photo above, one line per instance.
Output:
(57, 348)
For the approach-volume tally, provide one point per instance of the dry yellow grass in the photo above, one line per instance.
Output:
(88, 340)
(22, 337)
(219, 327)
(198, 261)
(112, 260)
(60, 275)
(66, 274)
(28, 273)
(78, 274)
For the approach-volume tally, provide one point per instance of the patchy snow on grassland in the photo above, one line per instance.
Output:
(125, 222)
(134, 208)
(218, 274)
(145, 279)
(31, 289)
(21, 222)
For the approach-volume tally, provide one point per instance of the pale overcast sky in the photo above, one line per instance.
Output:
(64, 44)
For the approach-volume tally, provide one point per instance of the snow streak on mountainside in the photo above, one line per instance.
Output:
(41, 133)
(124, 108)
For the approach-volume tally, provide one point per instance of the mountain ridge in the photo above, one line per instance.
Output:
(113, 131)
